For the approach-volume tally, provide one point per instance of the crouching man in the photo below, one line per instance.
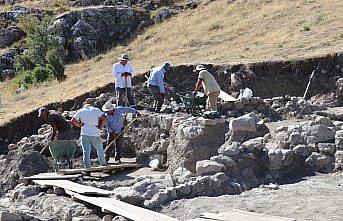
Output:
(91, 120)
(114, 127)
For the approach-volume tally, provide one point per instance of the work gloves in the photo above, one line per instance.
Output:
(162, 95)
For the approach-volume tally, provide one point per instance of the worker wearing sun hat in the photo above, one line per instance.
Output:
(114, 126)
(123, 71)
(210, 85)
(156, 86)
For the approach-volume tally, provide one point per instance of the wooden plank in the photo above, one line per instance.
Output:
(100, 168)
(239, 215)
(75, 187)
(51, 176)
(129, 211)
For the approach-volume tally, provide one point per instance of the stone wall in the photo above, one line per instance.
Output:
(266, 79)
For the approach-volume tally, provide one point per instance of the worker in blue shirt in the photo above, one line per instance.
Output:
(155, 85)
(114, 126)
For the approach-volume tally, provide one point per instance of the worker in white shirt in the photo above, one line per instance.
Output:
(155, 85)
(123, 72)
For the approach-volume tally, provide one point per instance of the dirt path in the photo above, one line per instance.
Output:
(312, 198)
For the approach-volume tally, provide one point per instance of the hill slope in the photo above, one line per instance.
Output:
(219, 32)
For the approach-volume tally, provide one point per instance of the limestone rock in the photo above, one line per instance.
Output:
(7, 216)
(339, 140)
(302, 151)
(327, 148)
(10, 35)
(227, 161)
(318, 133)
(129, 195)
(244, 123)
(275, 159)
(324, 121)
(229, 149)
(209, 167)
(320, 162)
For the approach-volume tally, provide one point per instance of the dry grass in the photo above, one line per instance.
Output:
(243, 31)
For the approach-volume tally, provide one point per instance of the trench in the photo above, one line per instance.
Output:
(266, 79)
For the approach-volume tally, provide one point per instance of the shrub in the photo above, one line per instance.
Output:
(41, 74)
(55, 64)
(24, 78)
(23, 62)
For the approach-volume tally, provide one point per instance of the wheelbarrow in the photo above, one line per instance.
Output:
(63, 151)
(195, 105)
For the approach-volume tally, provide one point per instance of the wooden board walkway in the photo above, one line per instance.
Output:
(115, 167)
(51, 176)
(129, 211)
(239, 215)
(75, 187)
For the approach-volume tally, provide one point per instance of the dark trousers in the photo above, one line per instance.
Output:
(63, 134)
(121, 96)
(115, 148)
(158, 100)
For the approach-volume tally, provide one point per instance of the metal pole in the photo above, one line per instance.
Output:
(309, 82)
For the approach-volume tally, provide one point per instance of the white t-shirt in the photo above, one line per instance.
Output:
(118, 69)
(209, 82)
(89, 116)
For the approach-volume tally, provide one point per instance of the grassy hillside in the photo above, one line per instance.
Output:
(220, 32)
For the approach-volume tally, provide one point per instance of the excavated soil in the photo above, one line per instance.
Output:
(315, 198)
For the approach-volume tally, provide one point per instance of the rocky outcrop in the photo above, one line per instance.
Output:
(18, 11)
(10, 35)
(87, 32)
(7, 63)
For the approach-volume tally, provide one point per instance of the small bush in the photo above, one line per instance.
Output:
(24, 78)
(23, 63)
(55, 64)
(306, 27)
(41, 74)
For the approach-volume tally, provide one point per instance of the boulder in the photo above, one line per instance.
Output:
(338, 161)
(244, 123)
(128, 195)
(318, 133)
(275, 159)
(10, 35)
(7, 216)
(227, 161)
(320, 162)
(189, 143)
(209, 167)
(324, 121)
(254, 145)
(339, 140)
(302, 151)
(230, 149)
(327, 148)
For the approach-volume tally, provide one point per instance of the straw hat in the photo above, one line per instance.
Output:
(199, 67)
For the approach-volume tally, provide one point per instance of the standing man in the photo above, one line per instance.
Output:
(155, 85)
(210, 85)
(123, 72)
(114, 127)
(91, 120)
(60, 126)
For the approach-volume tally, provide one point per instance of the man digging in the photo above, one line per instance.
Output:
(156, 87)
(210, 85)
(123, 72)
(60, 126)
(114, 126)
(91, 120)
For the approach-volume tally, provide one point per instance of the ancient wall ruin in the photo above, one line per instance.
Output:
(266, 79)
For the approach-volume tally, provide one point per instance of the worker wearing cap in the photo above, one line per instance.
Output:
(91, 120)
(210, 85)
(114, 126)
(123, 71)
(156, 86)
(60, 126)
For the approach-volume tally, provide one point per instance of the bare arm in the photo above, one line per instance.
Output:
(76, 123)
(54, 130)
(198, 85)
(102, 122)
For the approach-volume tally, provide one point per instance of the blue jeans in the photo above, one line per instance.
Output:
(87, 142)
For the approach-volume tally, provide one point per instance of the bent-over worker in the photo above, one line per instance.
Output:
(91, 120)
(114, 126)
(210, 85)
(155, 85)
(60, 126)
(123, 72)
